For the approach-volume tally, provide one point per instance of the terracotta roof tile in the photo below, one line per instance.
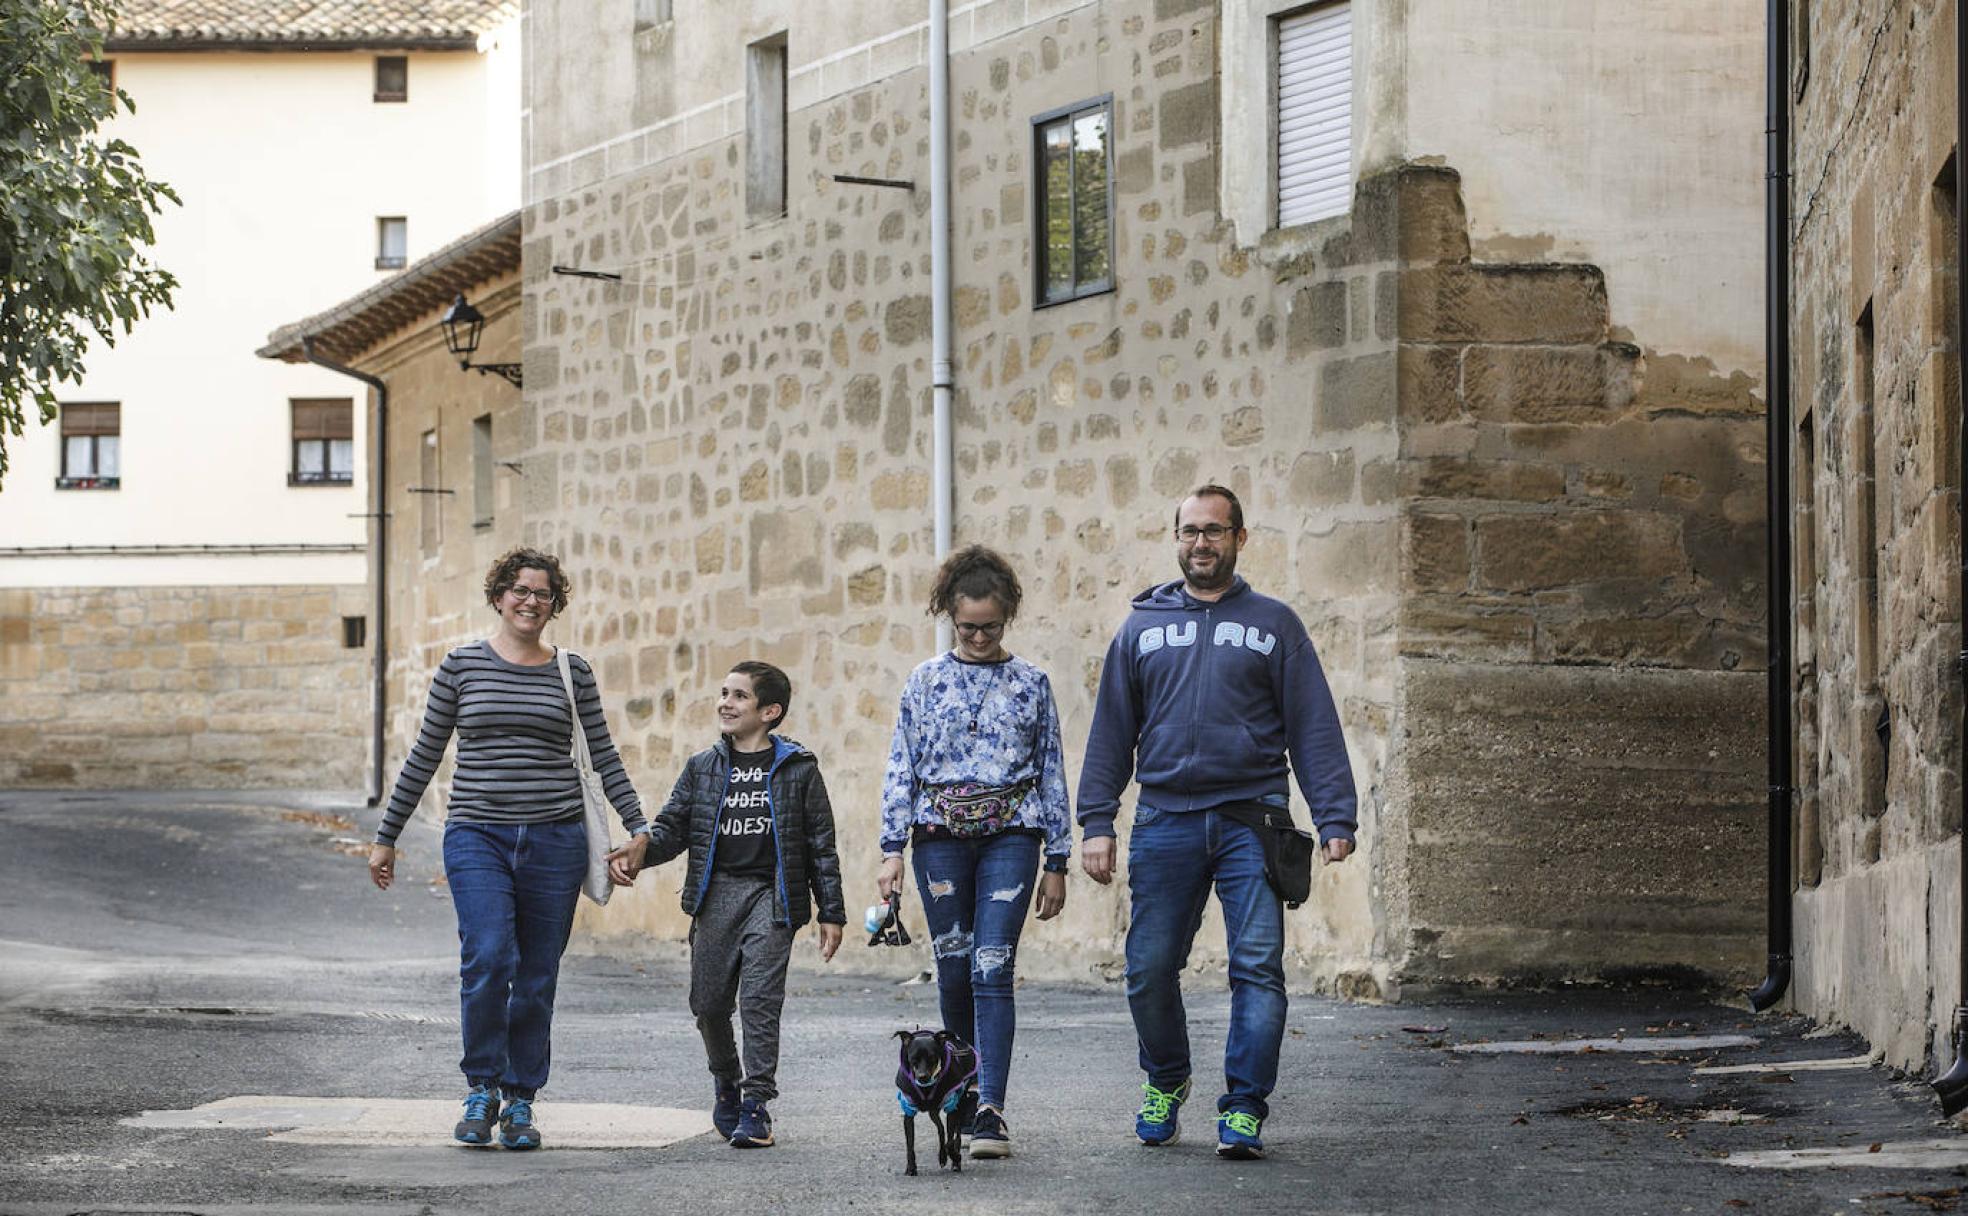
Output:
(189, 24)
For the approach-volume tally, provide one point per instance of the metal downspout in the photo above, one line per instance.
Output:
(1952, 1087)
(380, 519)
(942, 491)
(1776, 347)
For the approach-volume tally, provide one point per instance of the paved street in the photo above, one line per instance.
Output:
(159, 953)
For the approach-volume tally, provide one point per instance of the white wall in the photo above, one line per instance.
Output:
(284, 162)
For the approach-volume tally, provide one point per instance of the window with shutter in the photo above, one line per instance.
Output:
(92, 438)
(1315, 113)
(324, 442)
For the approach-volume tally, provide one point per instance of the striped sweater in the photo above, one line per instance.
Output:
(514, 739)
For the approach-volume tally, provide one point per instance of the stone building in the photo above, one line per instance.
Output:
(1875, 415)
(449, 501)
(1486, 373)
(182, 580)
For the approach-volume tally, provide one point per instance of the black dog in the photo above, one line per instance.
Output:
(938, 1077)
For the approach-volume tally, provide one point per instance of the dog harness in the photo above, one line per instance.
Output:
(914, 1100)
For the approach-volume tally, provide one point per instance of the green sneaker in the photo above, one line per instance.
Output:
(1237, 1135)
(1156, 1123)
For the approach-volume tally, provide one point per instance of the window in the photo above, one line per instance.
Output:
(1800, 47)
(1315, 114)
(651, 13)
(392, 78)
(105, 70)
(91, 436)
(1075, 156)
(765, 128)
(392, 242)
(355, 632)
(482, 471)
(324, 442)
(427, 494)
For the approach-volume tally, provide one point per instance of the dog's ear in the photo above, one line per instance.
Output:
(944, 1036)
(904, 1034)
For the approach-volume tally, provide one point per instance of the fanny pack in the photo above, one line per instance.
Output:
(970, 810)
(1288, 848)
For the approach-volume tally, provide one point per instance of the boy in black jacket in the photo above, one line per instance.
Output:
(753, 813)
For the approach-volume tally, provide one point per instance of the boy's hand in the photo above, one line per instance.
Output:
(830, 941)
(382, 866)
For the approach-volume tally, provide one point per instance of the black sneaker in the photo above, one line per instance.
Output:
(991, 1138)
(516, 1130)
(754, 1126)
(481, 1111)
(724, 1106)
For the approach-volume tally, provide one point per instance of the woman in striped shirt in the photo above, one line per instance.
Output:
(515, 847)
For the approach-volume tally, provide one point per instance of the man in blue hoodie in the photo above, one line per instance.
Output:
(1206, 691)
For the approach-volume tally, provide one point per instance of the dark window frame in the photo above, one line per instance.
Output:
(402, 93)
(68, 480)
(296, 476)
(392, 261)
(105, 70)
(1040, 123)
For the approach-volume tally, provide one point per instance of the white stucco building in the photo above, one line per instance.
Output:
(184, 549)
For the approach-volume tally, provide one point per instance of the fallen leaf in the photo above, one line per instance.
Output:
(1519, 1120)
(1876, 1146)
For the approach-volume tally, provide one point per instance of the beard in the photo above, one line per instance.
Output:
(1214, 577)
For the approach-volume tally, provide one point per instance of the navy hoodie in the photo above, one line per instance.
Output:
(1202, 703)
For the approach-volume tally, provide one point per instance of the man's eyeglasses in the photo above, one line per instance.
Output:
(1189, 534)
(522, 594)
(988, 629)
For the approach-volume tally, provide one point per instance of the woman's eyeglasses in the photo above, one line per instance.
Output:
(988, 629)
(522, 594)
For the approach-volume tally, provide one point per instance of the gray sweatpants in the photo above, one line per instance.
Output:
(738, 959)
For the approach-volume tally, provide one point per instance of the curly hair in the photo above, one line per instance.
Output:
(504, 575)
(975, 572)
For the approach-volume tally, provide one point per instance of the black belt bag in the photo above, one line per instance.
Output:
(1288, 848)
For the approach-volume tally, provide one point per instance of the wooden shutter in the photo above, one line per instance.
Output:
(324, 418)
(92, 418)
(1315, 114)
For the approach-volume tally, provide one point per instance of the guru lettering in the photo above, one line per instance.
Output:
(1228, 633)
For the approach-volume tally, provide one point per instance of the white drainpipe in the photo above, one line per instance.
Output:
(942, 489)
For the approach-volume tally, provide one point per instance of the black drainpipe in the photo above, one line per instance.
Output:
(1776, 375)
(1953, 1087)
(380, 517)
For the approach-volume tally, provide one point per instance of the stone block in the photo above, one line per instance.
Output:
(1551, 304)
(1317, 320)
(786, 549)
(1526, 553)
(1429, 383)
(1352, 559)
(1543, 384)
(1320, 479)
(1433, 627)
(1435, 549)
(1356, 392)
(1187, 115)
(1464, 479)
(900, 491)
(907, 320)
(710, 550)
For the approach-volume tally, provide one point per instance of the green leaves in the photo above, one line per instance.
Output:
(75, 209)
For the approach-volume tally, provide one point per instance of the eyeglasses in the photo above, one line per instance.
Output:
(1189, 534)
(988, 629)
(522, 594)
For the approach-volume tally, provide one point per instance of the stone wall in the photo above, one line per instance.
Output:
(1876, 460)
(1581, 629)
(182, 687)
(1527, 554)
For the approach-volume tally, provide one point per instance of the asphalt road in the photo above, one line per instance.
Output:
(160, 952)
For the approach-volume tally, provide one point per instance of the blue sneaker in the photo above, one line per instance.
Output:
(1237, 1135)
(481, 1111)
(1156, 1123)
(724, 1106)
(516, 1128)
(754, 1126)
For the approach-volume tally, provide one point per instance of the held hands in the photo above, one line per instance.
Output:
(382, 866)
(626, 862)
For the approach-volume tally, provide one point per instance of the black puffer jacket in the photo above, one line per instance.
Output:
(802, 830)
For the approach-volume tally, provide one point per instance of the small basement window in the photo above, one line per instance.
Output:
(392, 78)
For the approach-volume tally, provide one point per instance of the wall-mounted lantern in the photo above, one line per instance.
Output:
(462, 326)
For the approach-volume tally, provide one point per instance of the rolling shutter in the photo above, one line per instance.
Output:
(1315, 114)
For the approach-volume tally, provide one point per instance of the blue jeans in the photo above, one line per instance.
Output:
(975, 894)
(1173, 858)
(514, 887)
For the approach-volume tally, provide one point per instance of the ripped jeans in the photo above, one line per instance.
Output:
(975, 894)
